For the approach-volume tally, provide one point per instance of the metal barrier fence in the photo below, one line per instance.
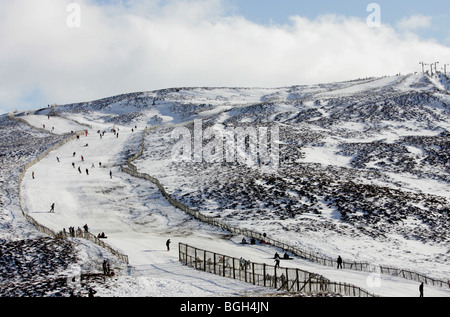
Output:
(353, 265)
(280, 278)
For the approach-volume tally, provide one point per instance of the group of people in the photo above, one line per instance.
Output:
(72, 231)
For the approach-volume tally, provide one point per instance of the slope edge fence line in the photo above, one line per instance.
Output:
(85, 235)
(359, 266)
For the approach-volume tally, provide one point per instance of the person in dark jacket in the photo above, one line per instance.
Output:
(339, 262)
(421, 290)
(52, 208)
(168, 245)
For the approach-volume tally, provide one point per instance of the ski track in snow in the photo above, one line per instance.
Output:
(170, 268)
(137, 219)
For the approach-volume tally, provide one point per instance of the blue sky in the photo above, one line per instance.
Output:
(124, 46)
(392, 11)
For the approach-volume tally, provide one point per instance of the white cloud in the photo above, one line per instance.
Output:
(141, 47)
(415, 22)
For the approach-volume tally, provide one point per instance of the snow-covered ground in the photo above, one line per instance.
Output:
(340, 143)
(138, 221)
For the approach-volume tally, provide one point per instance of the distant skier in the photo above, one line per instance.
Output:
(105, 267)
(277, 262)
(73, 164)
(110, 174)
(52, 208)
(79, 169)
(32, 175)
(87, 171)
(82, 158)
(168, 244)
(339, 262)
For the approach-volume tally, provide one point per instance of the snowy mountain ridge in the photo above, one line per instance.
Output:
(363, 166)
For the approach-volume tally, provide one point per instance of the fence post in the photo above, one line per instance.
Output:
(264, 274)
(245, 272)
(275, 276)
(253, 273)
(195, 258)
(204, 260)
(287, 279)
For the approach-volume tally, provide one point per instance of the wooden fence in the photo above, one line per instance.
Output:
(351, 265)
(280, 278)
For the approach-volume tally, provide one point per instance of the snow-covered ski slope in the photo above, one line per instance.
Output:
(138, 220)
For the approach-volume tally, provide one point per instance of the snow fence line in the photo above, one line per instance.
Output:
(40, 227)
(281, 278)
(358, 266)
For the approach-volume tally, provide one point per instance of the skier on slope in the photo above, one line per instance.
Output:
(339, 262)
(277, 262)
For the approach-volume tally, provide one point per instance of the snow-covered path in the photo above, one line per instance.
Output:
(138, 221)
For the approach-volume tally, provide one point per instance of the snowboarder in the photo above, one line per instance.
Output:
(52, 208)
(339, 262)
(421, 290)
(167, 244)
